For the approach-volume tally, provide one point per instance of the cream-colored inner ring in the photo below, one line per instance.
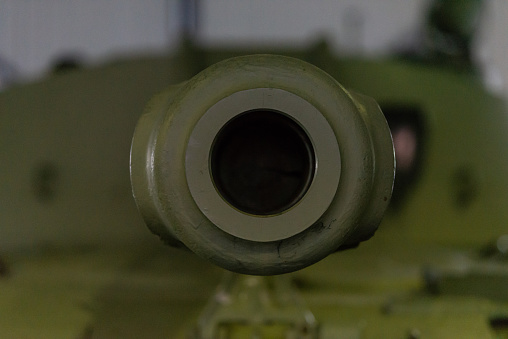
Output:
(313, 188)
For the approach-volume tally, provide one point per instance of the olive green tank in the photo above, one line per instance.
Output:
(90, 157)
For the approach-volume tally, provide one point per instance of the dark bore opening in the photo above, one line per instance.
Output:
(262, 162)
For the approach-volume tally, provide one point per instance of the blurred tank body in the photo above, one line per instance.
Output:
(440, 98)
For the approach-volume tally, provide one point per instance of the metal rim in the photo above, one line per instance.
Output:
(312, 205)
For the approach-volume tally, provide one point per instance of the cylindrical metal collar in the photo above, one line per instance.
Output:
(287, 223)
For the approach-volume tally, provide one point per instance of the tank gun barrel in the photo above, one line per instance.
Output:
(262, 164)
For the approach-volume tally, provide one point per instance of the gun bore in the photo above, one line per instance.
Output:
(262, 162)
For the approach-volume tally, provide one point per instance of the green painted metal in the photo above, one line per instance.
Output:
(76, 260)
(177, 193)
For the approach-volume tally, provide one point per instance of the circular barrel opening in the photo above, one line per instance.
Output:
(262, 162)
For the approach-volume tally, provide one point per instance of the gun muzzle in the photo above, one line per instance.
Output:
(262, 164)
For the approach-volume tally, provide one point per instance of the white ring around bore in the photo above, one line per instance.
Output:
(290, 222)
